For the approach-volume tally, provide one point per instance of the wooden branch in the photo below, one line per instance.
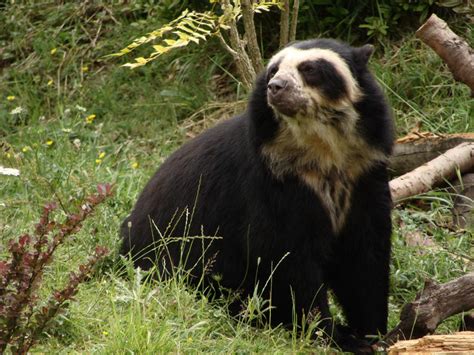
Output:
(242, 61)
(226, 46)
(423, 178)
(418, 148)
(462, 342)
(284, 23)
(294, 20)
(454, 50)
(433, 305)
(251, 36)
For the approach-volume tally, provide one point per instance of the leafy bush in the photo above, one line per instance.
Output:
(351, 20)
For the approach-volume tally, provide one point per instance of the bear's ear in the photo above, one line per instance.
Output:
(363, 54)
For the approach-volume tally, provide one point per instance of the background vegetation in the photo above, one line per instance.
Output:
(70, 119)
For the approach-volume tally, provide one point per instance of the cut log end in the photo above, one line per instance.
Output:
(461, 342)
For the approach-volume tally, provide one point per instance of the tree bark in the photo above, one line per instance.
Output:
(454, 50)
(433, 304)
(444, 167)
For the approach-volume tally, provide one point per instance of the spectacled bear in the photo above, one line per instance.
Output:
(294, 189)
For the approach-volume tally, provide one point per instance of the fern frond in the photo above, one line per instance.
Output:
(189, 27)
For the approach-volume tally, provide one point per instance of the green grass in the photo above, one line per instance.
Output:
(138, 123)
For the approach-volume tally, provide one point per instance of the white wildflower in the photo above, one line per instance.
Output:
(77, 143)
(9, 171)
(17, 110)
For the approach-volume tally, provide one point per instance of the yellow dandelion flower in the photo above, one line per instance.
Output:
(90, 118)
(49, 142)
(9, 155)
(105, 333)
(25, 149)
(135, 165)
(98, 161)
(50, 83)
(84, 68)
(101, 155)
(11, 97)
(54, 50)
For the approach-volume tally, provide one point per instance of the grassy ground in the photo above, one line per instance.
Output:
(70, 119)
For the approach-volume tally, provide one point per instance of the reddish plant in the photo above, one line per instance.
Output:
(22, 320)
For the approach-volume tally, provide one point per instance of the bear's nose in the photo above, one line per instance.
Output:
(276, 85)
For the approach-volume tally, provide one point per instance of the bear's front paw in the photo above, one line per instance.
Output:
(344, 339)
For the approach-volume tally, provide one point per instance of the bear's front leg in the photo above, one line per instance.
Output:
(358, 272)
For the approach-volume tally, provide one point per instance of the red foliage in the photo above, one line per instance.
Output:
(21, 320)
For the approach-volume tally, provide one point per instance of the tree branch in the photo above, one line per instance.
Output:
(242, 60)
(250, 36)
(454, 50)
(433, 305)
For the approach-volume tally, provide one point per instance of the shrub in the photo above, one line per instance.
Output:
(23, 315)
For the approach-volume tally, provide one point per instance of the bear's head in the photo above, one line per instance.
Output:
(318, 106)
(310, 75)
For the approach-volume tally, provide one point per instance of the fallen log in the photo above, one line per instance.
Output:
(454, 50)
(461, 342)
(440, 169)
(418, 148)
(432, 305)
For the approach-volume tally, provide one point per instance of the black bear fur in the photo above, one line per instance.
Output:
(221, 178)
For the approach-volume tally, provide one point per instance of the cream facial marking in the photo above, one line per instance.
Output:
(290, 58)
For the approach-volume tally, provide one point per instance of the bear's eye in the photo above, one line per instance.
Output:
(271, 72)
(307, 68)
